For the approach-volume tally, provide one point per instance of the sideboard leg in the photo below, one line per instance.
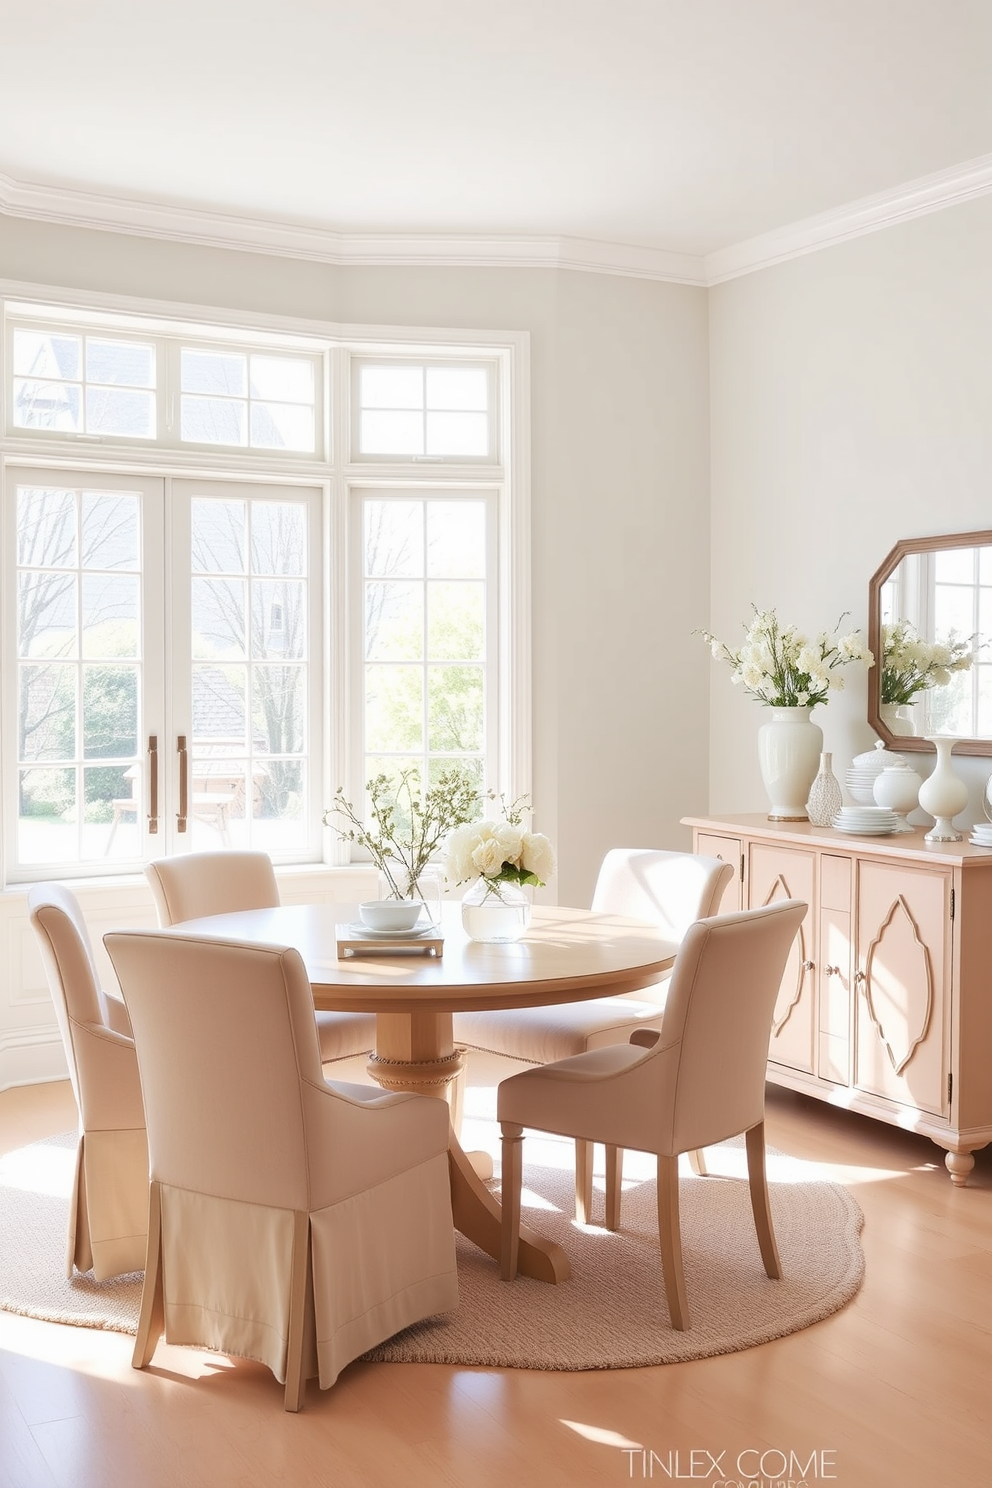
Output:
(959, 1165)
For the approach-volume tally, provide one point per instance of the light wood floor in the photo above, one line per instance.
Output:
(895, 1387)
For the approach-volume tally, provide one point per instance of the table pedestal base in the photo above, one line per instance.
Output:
(414, 1052)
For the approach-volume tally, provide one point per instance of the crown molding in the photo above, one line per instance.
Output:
(947, 188)
(73, 208)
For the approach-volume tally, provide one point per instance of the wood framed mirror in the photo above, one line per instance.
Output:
(937, 590)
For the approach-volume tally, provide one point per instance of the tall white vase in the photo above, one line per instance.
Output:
(942, 793)
(789, 746)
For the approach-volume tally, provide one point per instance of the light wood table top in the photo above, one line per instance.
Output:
(567, 955)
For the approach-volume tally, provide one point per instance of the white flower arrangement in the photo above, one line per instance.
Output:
(500, 851)
(911, 665)
(783, 668)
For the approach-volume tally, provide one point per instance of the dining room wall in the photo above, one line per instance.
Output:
(850, 406)
(619, 512)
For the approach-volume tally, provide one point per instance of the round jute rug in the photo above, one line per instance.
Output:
(611, 1314)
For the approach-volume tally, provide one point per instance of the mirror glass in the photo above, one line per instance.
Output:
(930, 625)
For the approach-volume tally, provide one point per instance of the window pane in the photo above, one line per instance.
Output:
(219, 538)
(220, 626)
(985, 565)
(110, 530)
(391, 434)
(214, 372)
(278, 537)
(455, 708)
(455, 621)
(394, 704)
(286, 379)
(46, 614)
(953, 609)
(113, 797)
(46, 405)
(110, 615)
(456, 539)
(278, 708)
(219, 710)
(282, 426)
(126, 363)
(279, 793)
(278, 622)
(47, 806)
(114, 411)
(46, 528)
(458, 387)
(110, 711)
(457, 434)
(391, 387)
(39, 354)
(394, 621)
(47, 712)
(214, 421)
(394, 539)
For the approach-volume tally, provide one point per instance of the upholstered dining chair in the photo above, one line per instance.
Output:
(292, 1220)
(108, 1214)
(701, 1080)
(672, 889)
(193, 885)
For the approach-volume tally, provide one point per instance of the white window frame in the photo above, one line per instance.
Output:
(336, 347)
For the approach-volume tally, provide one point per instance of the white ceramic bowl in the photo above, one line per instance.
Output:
(390, 914)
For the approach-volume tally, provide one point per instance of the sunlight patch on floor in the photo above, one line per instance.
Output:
(40, 1169)
(600, 1434)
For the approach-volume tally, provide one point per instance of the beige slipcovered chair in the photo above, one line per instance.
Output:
(108, 1215)
(292, 1220)
(193, 885)
(699, 1081)
(673, 889)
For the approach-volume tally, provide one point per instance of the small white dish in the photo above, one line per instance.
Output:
(361, 931)
(390, 914)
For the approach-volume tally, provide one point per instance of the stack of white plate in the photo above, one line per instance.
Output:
(981, 834)
(870, 821)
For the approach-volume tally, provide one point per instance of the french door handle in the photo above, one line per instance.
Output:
(153, 783)
(183, 783)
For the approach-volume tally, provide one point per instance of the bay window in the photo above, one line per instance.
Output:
(240, 569)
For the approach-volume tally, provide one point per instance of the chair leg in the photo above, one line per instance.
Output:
(760, 1207)
(614, 1186)
(583, 1181)
(670, 1235)
(300, 1299)
(697, 1161)
(512, 1179)
(151, 1319)
(456, 1101)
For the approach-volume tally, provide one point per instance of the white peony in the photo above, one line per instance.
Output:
(538, 856)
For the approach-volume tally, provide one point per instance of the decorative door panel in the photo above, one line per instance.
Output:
(728, 850)
(782, 873)
(834, 1015)
(903, 921)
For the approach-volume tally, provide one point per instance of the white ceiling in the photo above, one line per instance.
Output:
(678, 125)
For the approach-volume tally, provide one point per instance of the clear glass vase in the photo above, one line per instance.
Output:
(495, 911)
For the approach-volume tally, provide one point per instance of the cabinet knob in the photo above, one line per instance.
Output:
(831, 971)
(808, 965)
(859, 976)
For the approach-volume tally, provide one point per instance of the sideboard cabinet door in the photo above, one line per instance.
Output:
(903, 948)
(728, 850)
(789, 873)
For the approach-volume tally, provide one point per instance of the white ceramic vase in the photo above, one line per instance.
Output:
(494, 911)
(825, 795)
(789, 747)
(942, 793)
(899, 718)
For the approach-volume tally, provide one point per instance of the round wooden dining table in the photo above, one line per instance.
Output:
(567, 955)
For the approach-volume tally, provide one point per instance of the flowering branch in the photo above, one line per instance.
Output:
(783, 668)
(910, 665)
